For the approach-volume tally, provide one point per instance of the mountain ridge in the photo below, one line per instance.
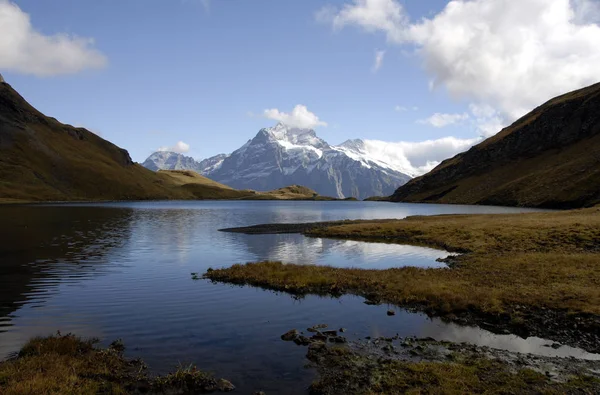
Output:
(549, 158)
(283, 155)
(42, 159)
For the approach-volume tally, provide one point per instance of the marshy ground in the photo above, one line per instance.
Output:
(530, 274)
(391, 366)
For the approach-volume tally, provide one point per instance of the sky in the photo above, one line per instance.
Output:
(201, 77)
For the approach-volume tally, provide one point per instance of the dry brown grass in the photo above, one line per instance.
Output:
(71, 365)
(549, 260)
(61, 365)
(183, 177)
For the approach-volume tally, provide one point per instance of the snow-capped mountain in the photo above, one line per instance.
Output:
(281, 156)
(165, 160)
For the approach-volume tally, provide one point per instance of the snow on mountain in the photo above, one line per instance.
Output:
(377, 152)
(165, 160)
(282, 155)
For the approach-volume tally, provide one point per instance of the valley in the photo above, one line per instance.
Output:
(481, 275)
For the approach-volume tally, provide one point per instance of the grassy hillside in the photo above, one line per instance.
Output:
(292, 192)
(183, 177)
(42, 159)
(548, 158)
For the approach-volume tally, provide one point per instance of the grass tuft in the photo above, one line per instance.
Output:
(67, 364)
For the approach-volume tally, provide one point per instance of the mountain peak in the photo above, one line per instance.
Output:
(283, 155)
(357, 145)
(290, 137)
(281, 130)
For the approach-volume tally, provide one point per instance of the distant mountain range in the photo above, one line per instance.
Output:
(549, 158)
(42, 159)
(282, 155)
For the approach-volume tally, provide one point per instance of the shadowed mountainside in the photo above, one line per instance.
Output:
(549, 158)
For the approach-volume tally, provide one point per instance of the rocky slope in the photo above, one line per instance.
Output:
(282, 155)
(165, 160)
(549, 158)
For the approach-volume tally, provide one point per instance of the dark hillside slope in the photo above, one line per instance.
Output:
(42, 159)
(549, 158)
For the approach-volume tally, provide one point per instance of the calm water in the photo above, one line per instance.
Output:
(122, 270)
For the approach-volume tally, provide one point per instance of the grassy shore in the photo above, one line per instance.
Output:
(515, 271)
(71, 365)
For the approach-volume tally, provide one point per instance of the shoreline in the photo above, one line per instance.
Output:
(393, 364)
(70, 364)
(528, 274)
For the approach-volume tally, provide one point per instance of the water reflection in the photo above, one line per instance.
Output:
(294, 248)
(123, 271)
(43, 251)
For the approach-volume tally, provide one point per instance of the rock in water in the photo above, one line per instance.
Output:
(290, 335)
(225, 386)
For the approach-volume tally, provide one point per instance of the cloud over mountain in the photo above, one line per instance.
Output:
(300, 117)
(180, 147)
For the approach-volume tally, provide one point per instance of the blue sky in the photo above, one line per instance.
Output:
(203, 72)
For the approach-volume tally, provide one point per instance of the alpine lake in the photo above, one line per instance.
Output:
(124, 271)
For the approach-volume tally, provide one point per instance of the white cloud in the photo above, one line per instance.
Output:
(378, 61)
(417, 158)
(180, 148)
(25, 50)
(486, 119)
(510, 55)
(300, 117)
(440, 120)
(372, 15)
